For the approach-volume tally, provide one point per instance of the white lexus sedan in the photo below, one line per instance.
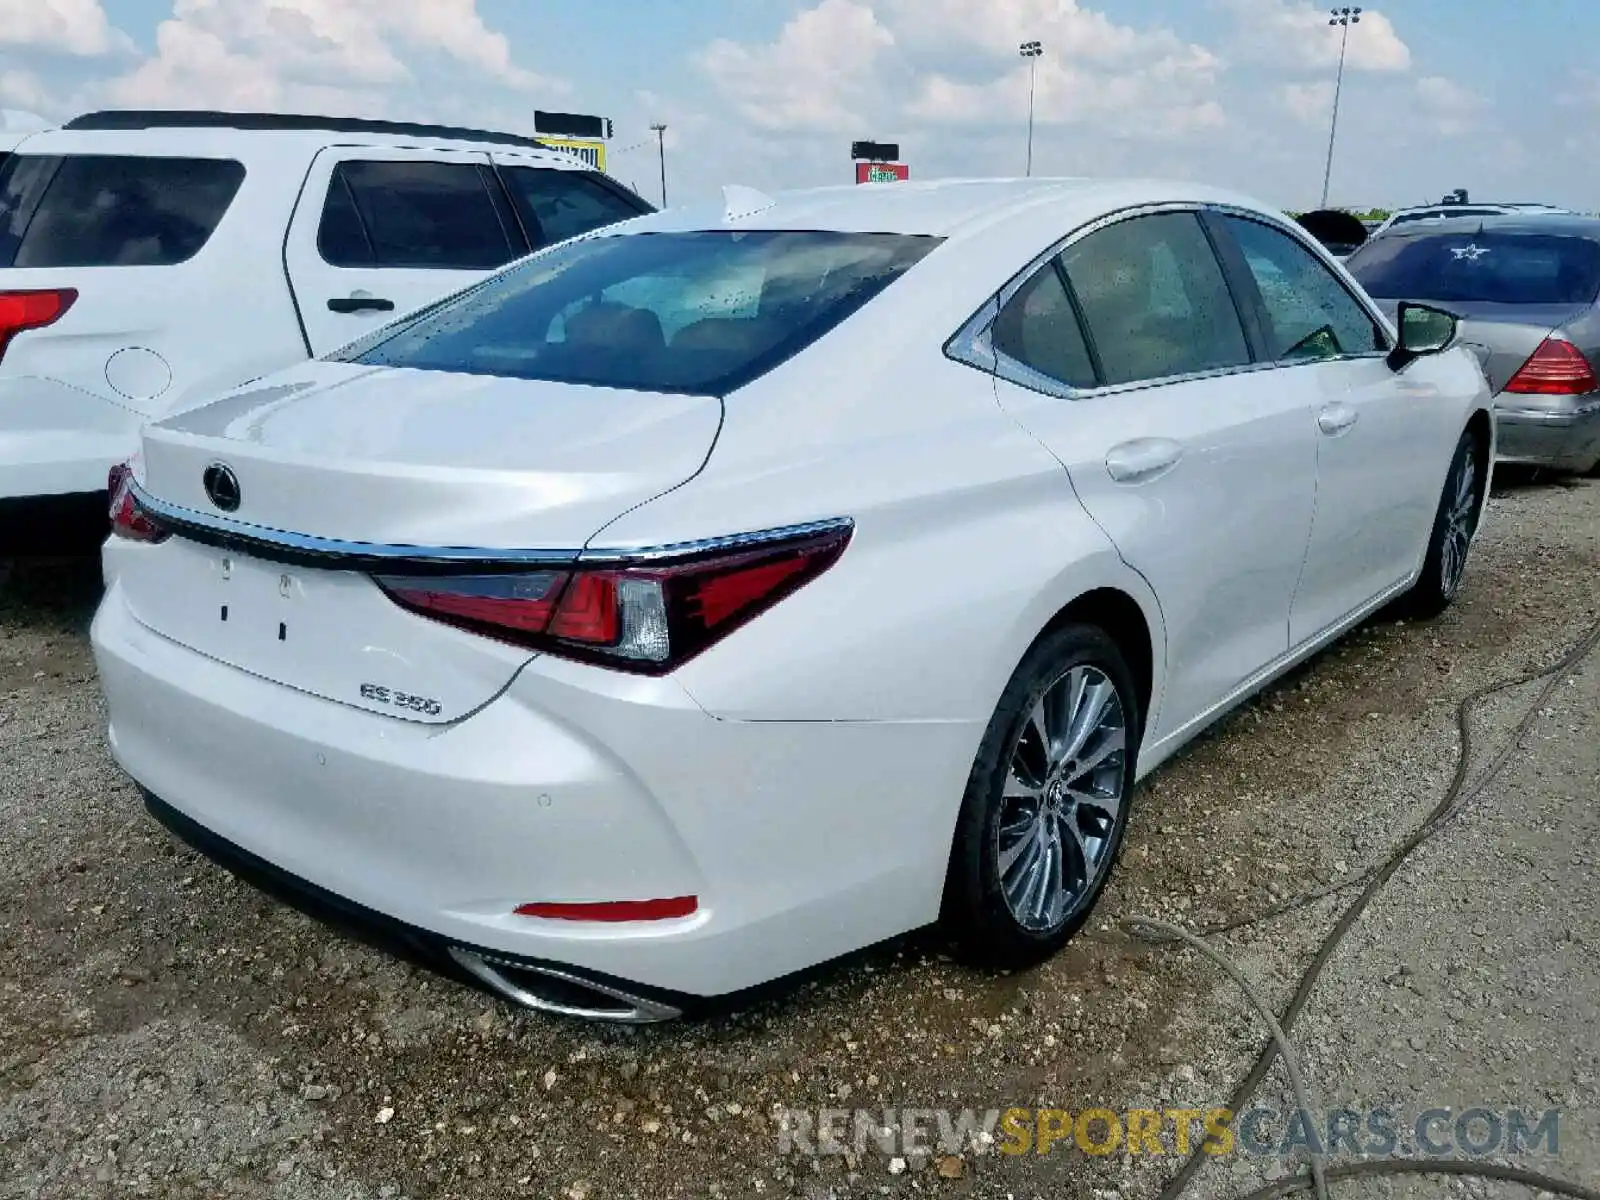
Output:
(739, 586)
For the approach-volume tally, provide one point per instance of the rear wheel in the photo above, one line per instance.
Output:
(1046, 805)
(1453, 528)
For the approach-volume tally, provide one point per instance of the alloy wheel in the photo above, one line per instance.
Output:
(1061, 799)
(1463, 501)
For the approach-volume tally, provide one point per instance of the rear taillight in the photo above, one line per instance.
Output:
(22, 311)
(128, 519)
(647, 618)
(1557, 368)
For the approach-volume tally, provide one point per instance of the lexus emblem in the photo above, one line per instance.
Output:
(222, 485)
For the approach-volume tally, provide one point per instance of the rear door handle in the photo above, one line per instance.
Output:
(1336, 418)
(353, 304)
(1142, 459)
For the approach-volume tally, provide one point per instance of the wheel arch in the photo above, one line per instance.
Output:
(1125, 620)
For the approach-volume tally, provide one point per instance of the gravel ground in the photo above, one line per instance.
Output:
(167, 1031)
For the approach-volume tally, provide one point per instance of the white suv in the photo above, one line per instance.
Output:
(150, 260)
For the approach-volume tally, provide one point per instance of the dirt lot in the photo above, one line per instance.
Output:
(166, 1031)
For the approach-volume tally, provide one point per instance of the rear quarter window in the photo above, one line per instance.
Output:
(555, 205)
(96, 210)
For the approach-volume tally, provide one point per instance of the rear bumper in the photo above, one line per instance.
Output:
(803, 841)
(58, 440)
(1568, 441)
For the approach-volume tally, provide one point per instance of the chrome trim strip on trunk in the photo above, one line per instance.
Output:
(280, 545)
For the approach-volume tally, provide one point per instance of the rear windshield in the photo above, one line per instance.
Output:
(1498, 268)
(700, 313)
(98, 210)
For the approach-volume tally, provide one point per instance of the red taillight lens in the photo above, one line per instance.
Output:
(510, 603)
(128, 520)
(21, 311)
(1557, 368)
(614, 910)
(641, 618)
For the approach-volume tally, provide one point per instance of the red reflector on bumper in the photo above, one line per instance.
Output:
(614, 910)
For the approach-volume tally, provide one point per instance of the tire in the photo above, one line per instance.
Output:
(1454, 525)
(1048, 822)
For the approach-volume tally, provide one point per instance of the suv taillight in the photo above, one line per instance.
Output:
(1557, 368)
(128, 519)
(22, 311)
(648, 618)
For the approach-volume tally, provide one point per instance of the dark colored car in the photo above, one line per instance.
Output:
(1527, 289)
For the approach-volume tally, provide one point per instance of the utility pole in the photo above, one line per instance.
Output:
(1031, 51)
(661, 147)
(1344, 18)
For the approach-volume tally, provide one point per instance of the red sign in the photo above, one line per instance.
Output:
(873, 172)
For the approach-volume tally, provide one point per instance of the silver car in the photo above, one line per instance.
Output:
(1526, 288)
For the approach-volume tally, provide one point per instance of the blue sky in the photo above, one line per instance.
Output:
(1499, 98)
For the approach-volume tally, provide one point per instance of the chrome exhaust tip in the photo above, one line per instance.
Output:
(549, 990)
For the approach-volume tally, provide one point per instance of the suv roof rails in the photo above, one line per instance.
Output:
(206, 119)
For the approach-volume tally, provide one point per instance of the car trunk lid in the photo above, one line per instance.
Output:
(377, 461)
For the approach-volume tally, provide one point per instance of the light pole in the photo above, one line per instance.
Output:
(1031, 51)
(1344, 18)
(661, 148)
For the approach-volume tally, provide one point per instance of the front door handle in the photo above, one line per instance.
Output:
(1142, 459)
(1336, 418)
(354, 304)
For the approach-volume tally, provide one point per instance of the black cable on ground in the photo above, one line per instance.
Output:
(1427, 1166)
(1455, 795)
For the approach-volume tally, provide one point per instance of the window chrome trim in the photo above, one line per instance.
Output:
(306, 549)
(973, 343)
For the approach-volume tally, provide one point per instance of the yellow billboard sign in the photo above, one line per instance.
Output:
(591, 152)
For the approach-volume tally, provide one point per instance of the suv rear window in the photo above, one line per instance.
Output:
(701, 313)
(100, 210)
(1496, 268)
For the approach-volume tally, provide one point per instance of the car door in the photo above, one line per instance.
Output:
(1374, 430)
(379, 232)
(1127, 356)
(554, 203)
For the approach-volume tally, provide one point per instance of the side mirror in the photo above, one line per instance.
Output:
(1423, 330)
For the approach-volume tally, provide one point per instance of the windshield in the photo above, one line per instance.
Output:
(701, 313)
(1496, 268)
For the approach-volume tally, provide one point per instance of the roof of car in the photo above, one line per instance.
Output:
(1563, 224)
(273, 138)
(127, 119)
(942, 208)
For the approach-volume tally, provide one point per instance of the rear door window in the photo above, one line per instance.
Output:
(97, 210)
(1155, 299)
(411, 214)
(1485, 266)
(556, 205)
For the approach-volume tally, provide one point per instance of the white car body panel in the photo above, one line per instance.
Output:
(801, 777)
(315, 282)
(144, 341)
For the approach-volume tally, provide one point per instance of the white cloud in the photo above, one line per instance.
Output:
(77, 27)
(938, 64)
(339, 54)
(1308, 102)
(817, 75)
(1450, 108)
(1295, 34)
(22, 89)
